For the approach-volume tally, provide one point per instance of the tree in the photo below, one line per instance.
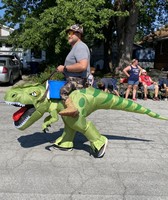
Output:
(47, 28)
(42, 24)
(141, 21)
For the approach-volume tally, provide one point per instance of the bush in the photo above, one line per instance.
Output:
(44, 76)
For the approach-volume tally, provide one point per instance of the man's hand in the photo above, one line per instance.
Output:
(60, 68)
(155, 83)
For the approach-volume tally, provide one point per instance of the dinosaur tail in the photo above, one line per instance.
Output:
(105, 100)
(119, 103)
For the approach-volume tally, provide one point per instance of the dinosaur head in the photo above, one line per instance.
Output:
(28, 98)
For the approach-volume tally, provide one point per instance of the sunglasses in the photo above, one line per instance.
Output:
(70, 33)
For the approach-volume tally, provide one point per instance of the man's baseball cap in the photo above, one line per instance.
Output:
(76, 28)
(143, 71)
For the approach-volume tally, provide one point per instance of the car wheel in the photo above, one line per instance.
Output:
(11, 80)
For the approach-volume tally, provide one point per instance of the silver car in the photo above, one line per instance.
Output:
(10, 69)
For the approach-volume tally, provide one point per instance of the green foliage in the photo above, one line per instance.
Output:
(42, 23)
(152, 12)
(42, 77)
(50, 25)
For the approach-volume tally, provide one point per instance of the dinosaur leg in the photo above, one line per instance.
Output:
(66, 139)
(87, 128)
(97, 141)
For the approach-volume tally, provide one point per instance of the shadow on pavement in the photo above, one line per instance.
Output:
(114, 137)
(40, 138)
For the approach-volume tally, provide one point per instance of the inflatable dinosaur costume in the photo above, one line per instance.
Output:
(86, 100)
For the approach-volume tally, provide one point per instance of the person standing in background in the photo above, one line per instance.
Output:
(133, 72)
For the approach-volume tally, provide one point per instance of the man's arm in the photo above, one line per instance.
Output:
(77, 67)
(153, 82)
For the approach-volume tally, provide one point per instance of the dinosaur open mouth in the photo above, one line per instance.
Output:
(21, 116)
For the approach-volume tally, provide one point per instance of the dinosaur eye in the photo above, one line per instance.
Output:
(34, 94)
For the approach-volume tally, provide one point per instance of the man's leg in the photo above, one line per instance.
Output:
(156, 91)
(70, 109)
(65, 141)
(145, 92)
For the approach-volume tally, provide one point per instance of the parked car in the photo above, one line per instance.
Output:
(10, 69)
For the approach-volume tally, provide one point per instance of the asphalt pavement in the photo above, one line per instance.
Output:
(135, 166)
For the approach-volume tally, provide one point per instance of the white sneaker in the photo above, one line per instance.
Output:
(165, 99)
(101, 152)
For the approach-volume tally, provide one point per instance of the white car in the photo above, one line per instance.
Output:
(10, 69)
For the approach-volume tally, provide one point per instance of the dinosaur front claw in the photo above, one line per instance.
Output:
(45, 128)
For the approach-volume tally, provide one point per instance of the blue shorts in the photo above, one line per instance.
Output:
(151, 87)
(133, 82)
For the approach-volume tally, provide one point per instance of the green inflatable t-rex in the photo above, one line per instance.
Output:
(88, 100)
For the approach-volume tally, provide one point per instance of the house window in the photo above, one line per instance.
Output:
(8, 45)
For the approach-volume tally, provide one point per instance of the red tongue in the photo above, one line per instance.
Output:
(19, 113)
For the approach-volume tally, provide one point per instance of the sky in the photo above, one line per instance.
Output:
(1, 11)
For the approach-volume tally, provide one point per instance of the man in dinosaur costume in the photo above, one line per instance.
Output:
(88, 100)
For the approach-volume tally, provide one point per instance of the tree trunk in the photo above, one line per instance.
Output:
(126, 29)
(108, 65)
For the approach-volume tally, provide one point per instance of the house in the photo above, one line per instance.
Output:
(26, 56)
(159, 40)
(5, 31)
(144, 55)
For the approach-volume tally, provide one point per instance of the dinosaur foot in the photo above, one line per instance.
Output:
(101, 152)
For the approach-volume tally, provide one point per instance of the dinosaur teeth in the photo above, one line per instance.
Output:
(22, 116)
(23, 122)
(17, 104)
